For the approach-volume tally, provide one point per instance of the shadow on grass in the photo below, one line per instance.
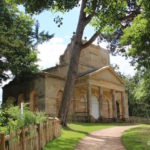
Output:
(63, 144)
(74, 132)
(67, 141)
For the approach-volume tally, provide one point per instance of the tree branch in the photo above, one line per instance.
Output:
(88, 18)
(90, 41)
(131, 14)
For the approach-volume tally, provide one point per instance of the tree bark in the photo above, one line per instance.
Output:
(74, 61)
(73, 67)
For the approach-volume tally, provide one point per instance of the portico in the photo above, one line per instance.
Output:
(106, 100)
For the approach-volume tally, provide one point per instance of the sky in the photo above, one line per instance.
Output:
(49, 52)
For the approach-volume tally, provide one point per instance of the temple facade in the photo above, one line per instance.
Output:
(99, 92)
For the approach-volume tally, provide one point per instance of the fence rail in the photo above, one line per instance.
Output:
(34, 137)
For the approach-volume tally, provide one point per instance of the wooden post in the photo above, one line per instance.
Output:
(39, 138)
(2, 141)
(23, 138)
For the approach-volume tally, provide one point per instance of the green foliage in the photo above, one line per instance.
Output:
(105, 16)
(17, 42)
(37, 6)
(138, 37)
(137, 88)
(40, 117)
(11, 118)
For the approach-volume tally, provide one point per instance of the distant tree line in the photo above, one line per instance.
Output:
(138, 91)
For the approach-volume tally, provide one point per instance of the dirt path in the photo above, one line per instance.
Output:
(106, 139)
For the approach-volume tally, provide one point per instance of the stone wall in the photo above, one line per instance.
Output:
(92, 57)
(26, 88)
(54, 86)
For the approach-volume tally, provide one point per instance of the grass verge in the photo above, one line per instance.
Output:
(137, 138)
(73, 133)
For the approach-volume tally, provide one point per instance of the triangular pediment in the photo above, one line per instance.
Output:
(107, 74)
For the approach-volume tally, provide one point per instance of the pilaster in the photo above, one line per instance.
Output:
(114, 104)
(89, 100)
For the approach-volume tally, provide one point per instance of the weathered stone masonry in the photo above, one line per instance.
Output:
(99, 92)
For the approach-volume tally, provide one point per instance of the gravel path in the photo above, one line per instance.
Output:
(106, 139)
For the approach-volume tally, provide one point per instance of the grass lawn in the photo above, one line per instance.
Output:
(137, 138)
(71, 135)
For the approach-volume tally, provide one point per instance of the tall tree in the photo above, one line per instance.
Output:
(106, 16)
(137, 88)
(17, 42)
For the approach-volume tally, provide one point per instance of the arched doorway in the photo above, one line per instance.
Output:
(118, 109)
(33, 101)
(95, 107)
(59, 99)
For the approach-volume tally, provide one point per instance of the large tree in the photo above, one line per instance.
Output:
(134, 40)
(106, 16)
(18, 55)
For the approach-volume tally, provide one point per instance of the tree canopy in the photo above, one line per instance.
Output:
(137, 36)
(17, 42)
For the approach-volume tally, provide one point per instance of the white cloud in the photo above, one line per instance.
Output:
(50, 51)
(123, 64)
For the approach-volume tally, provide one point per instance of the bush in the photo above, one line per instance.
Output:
(11, 118)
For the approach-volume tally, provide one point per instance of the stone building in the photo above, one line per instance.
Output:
(99, 92)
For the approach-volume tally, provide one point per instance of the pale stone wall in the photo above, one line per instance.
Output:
(107, 76)
(53, 86)
(38, 86)
(59, 70)
(93, 57)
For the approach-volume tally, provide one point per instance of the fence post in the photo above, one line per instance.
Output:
(23, 139)
(39, 136)
(2, 141)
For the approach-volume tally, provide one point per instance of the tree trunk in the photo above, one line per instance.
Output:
(69, 86)
(73, 68)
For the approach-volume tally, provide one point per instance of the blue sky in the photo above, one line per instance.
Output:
(70, 20)
(50, 51)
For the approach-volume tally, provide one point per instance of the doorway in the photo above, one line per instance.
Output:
(118, 109)
(95, 107)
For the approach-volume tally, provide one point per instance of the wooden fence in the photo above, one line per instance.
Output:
(35, 137)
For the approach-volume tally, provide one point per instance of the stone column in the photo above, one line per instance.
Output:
(114, 104)
(101, 98)
(123, 104)
(89, 100)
